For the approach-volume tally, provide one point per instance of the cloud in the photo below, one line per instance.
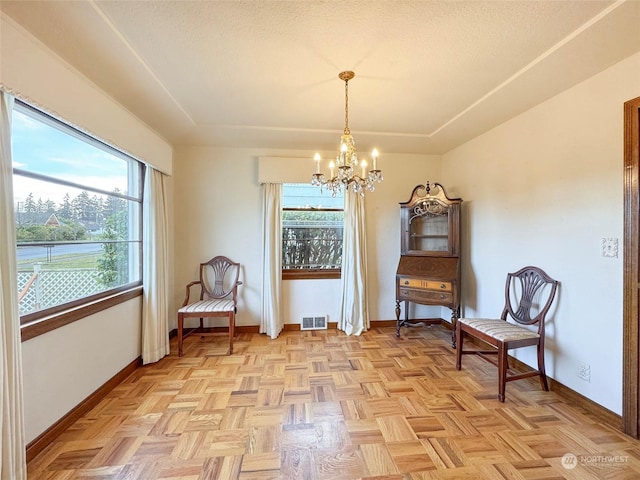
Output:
(23, 186)
(89, 163)
(26, 122)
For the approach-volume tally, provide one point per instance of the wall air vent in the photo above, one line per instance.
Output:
(313, 322)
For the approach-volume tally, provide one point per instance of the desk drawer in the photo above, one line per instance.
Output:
(418, 296)
(416, 283)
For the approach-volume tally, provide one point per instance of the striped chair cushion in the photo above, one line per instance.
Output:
(209, 306)
(499, 329)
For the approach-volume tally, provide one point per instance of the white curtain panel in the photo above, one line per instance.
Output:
(271, 322)
(354, 311)
(14, 463)
(155, 264)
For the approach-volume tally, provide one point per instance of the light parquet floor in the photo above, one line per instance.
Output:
(321, 405)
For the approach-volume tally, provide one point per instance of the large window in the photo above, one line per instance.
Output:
(78, 214)
(312, 226)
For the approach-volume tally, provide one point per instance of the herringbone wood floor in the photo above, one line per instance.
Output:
(321, 405)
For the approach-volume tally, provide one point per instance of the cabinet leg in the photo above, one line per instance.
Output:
(405, 321)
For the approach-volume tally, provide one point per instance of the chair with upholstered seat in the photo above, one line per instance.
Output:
(529, 293)
(218, 296)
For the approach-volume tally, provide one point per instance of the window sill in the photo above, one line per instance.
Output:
(310, 274)
(60, 319)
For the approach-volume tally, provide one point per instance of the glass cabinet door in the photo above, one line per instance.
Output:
(430, 223)
(429, 233)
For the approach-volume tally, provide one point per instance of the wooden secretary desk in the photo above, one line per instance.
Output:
(429, 269)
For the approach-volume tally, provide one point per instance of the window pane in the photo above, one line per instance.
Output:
(44, 146)
(312, 228)
(312, 239)
(72, 242)
(36, 200)
(305, 195)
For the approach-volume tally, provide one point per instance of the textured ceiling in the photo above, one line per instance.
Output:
(430, 75)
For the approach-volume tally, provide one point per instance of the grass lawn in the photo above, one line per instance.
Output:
(62, 262)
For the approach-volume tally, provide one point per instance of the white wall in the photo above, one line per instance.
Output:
(63, 367)
(218, 210)
(544, 188)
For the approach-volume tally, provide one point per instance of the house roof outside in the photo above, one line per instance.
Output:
(52, 221)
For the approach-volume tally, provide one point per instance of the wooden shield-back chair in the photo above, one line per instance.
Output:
(529, 293)
(218, 295)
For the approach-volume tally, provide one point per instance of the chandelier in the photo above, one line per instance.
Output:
(347, 172)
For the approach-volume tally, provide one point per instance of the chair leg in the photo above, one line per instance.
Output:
(543, 374)
(232, 326)
(502, 370)
(458, 347)
(180, 328)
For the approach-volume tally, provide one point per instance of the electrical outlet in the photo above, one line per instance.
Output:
(610, 247)
(584, 372)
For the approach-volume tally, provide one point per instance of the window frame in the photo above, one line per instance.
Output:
(42, 321)
(310, 273)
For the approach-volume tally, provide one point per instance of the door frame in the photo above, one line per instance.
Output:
(631, 274)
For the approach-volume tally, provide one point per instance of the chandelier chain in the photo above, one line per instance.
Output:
(346, 107)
